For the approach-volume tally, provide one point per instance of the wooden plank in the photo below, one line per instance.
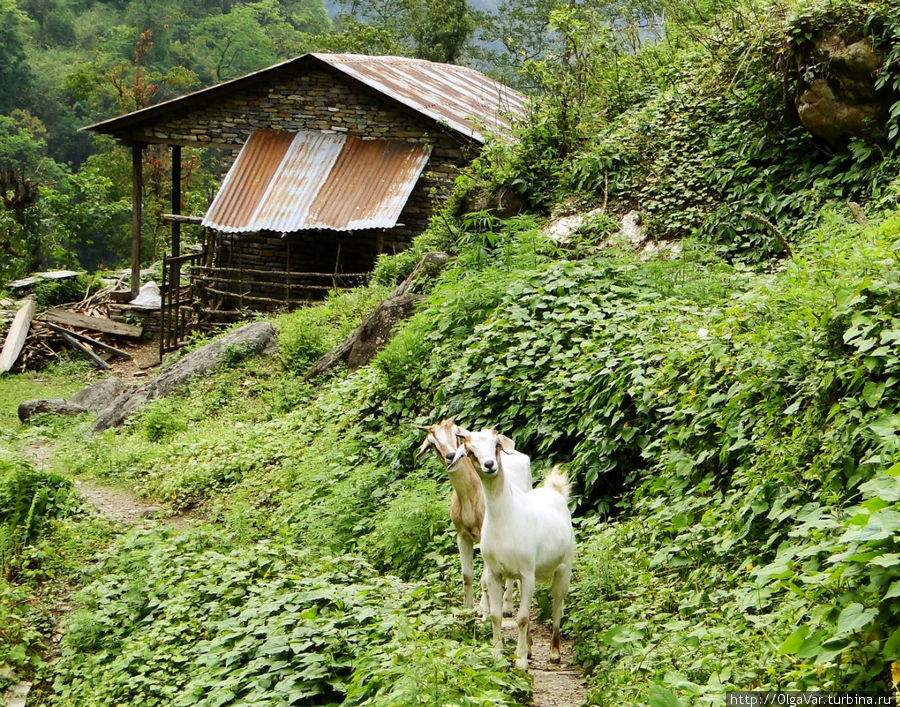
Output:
(18, 332)
(112, 350)
(78, 346)
(180, 218)
(82, 321)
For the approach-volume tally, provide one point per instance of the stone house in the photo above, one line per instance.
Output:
(330, 160)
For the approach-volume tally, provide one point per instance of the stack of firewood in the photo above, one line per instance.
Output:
(84, 326)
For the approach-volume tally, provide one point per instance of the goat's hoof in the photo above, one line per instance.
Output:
(509, 610)
(554, 658)
(522, 663)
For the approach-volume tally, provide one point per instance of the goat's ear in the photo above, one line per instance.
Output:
(423, 450)
(506, 444)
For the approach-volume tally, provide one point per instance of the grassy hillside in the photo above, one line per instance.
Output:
(729, 415)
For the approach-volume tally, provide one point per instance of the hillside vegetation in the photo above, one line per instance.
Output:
(729, 414)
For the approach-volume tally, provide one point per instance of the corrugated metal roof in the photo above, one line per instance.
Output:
(285, 181)
(463, 99)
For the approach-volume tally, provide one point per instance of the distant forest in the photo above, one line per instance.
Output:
(64, 64)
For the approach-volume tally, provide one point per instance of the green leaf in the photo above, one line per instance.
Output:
(853, 618)
(891, 649)
(661, 697)
(882, 486)
(889, 559)
(794, 642)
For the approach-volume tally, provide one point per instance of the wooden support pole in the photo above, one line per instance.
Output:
(176, 199)
(137, 190)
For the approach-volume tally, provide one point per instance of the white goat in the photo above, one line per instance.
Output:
(525, 536)
(467, 502)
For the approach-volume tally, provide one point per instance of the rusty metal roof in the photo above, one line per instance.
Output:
(465, 99)
(461, 98)
(286, 181)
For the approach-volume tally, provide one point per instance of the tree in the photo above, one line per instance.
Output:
(438, 30)
(15, 75)
(24, 165)
(441, 29)
(238, 42)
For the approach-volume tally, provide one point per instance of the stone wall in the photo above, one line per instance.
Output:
(317, 100)
(329, 102)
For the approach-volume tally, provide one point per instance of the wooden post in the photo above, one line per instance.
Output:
(176, 199)
(137, 189)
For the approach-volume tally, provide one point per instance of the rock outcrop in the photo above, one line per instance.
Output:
(256, 338)
(837, 98)
(48, 406)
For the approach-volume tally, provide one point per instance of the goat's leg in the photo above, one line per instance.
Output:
(495, 600)
(466, 551)
(508, 607)
(523, 619)
(558, 591)
(485, 605)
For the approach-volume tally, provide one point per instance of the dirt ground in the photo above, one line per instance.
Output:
(555, 685)
(114, 502)
(144, 358)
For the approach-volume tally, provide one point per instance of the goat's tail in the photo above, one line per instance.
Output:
(558, 481)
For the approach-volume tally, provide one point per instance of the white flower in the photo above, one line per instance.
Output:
(703, 333)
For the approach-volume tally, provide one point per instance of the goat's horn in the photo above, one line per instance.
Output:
(422, 427)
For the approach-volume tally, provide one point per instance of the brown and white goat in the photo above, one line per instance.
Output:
(467, 502)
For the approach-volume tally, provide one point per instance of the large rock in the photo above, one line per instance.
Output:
(256, 338)
(98, 396)
(49, 406)
(837, 98)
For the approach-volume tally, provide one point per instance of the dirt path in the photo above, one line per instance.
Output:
(114, 502)
(555, 685)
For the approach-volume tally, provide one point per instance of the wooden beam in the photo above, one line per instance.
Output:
(176, 199)
(107, 326)
(15, 338)
(94, 343)
(78, 346)
(180, 218)
(153, 140)
(137, 189)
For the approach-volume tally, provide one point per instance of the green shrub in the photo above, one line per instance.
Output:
(191, 620)
(50, 293)
(413, 526)
(29, 502)
(161, 419)
(19, 639)
(308, 333)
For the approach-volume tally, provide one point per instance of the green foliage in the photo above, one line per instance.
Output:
(19, 637)
(411, 530)
(308, 333)
(191, 620)
(29, 502)
(50, 293)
